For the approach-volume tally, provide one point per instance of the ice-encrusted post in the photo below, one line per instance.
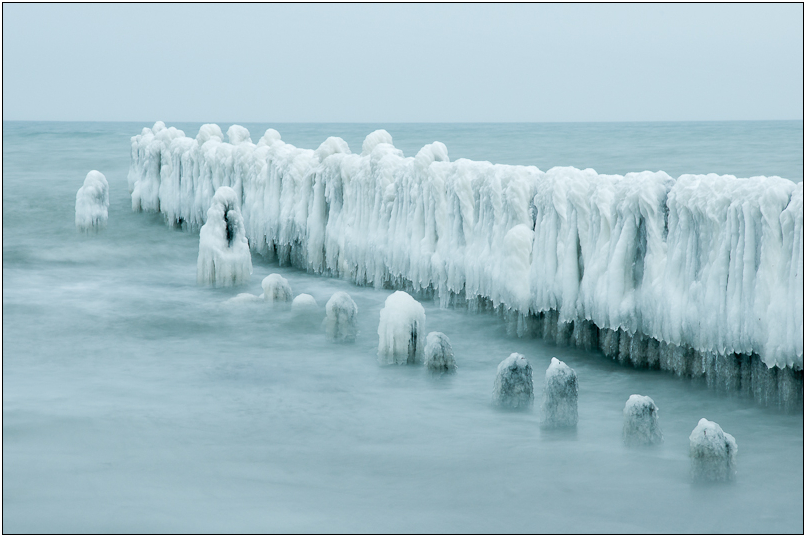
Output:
(712, 452)
(224, 257)
(513, 386)
(341, 321)
(560, 394)
(641, 421)
(276, 289)
(304, 304)
(439, 353)
(401, 330)
(92, 202)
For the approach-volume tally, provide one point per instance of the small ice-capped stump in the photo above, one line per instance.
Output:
(712, 452)
(401, 330)
(92, 202)
(224, 257)
(242, 299)
(560, 394)
(513, 386)
(341, 321)
(439, 353)
(276, 289)
(641, 426)
(305, 311)
(304, 304)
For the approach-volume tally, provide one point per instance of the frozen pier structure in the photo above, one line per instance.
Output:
(701, 275)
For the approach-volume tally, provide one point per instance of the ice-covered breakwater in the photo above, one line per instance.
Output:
(701, 275)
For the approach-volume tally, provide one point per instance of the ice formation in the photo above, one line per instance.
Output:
(304, 303)
(241, 299)
(641, 421)
(439, 353)
(401, 330)
(341, 321)
(712, 452)
(701, 275)
(276, 289)
(224, 256)
(92, 202)
(513, 387)
(560, 394)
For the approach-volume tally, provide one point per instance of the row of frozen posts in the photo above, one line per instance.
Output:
(402, 320)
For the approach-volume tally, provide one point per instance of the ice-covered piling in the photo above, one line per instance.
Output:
(304, 304)
(439, 353)
(641, 421)
(712, 452)
(92, 202)
(513, 386)
(560, 394)
(401, 330)
(341, 321)
(276, 289)
(224, 256)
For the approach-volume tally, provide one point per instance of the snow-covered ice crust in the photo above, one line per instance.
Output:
(401, 330)
(560, 395)
(706, 262)
(92, 202)
(341, 321)
(224, 256)
(439, 353)
(712, 452)
(276, 289)
(641, 425)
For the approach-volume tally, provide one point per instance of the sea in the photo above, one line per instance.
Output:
(135, 401)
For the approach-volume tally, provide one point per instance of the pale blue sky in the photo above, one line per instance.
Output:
(401, 63)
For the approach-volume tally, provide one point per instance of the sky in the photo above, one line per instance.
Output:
(402, 62)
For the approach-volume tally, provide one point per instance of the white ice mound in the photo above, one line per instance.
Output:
(237, 135)
(304, 303)
(92, 202)
(560, 394)
(224, 257)
(341, 321)
(641, 421)
(209, 131)
(242, 299)
(401, 330)
(513, 386)
(276, 289)
(439, 353)
(712, 452)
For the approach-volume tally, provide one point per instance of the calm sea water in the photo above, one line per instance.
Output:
(135, 401)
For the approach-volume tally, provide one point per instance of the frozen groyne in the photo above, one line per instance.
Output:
(701, 275)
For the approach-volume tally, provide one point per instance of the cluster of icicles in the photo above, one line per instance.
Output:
(694, 274)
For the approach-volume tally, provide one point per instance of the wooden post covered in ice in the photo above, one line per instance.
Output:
(224, 257)
(712, 452)
(276, 289)
(641, 421)
(560, 393)
(92, 202)
(401, 330)
(513, 386)
(439, 353)
(341, 321)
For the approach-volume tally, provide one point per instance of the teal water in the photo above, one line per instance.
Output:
(135, 401)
